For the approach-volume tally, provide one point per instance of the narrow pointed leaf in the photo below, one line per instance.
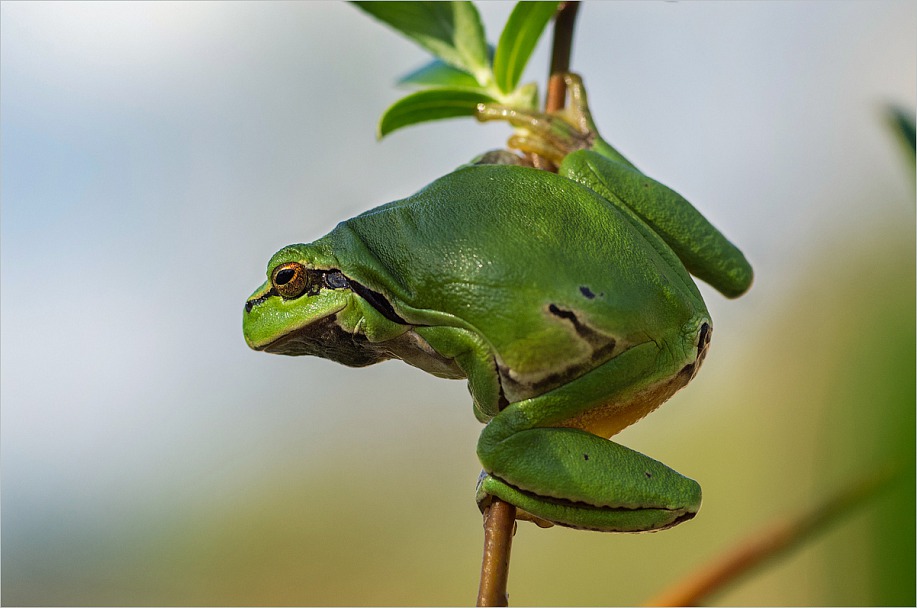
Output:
(520, 35)
(432, 104)
(450, 30)
(438, 73)
(470, 40)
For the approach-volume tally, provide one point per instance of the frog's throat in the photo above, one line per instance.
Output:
(325, 338)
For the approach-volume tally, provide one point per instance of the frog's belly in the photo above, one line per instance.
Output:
(610, 418)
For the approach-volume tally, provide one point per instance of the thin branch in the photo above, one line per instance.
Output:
(776, 539)
(499, 528)
(560, 55)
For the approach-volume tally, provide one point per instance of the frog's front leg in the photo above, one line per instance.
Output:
(535, 461)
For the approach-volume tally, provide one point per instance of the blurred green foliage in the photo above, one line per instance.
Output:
(902, 124)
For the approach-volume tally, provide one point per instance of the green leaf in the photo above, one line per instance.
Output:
(902, 122)
(523, 98)
(432, 104)
(437, 73)
(450, 30)
(470, 40)
(518, 40)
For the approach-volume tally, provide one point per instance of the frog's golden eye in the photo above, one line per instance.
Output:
(290, 280)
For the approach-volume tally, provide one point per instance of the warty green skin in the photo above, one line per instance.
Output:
(554, 295)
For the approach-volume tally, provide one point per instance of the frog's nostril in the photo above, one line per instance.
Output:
(250, 304)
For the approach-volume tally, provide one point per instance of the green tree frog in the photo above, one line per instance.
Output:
(564, 299)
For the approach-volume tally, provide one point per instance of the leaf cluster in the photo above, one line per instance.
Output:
(465, 71)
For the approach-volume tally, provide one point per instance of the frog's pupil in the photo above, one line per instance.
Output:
(284, 276)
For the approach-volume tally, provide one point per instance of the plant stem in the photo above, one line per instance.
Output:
(499, 528)
(777, 538)
(560, 55)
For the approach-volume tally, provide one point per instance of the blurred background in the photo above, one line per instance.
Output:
(154, 156)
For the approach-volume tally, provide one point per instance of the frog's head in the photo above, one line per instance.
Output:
(301, 309)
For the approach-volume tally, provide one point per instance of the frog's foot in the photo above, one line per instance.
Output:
(553, 135)
(485, 499)
(573, 478)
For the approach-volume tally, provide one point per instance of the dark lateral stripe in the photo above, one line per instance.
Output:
(578, 504)
(255, 301)
(377, 301)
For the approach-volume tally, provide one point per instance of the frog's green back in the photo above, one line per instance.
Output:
(545, 270)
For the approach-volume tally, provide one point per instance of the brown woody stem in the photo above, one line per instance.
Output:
(560, 55)
(499, 527)
(769, 542)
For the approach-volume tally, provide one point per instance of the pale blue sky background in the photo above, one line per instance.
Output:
(154, 156)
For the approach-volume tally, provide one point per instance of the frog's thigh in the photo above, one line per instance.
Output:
(619, 380)
(575, 478)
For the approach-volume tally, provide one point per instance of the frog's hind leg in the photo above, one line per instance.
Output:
(573, 478)
(594, 483)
